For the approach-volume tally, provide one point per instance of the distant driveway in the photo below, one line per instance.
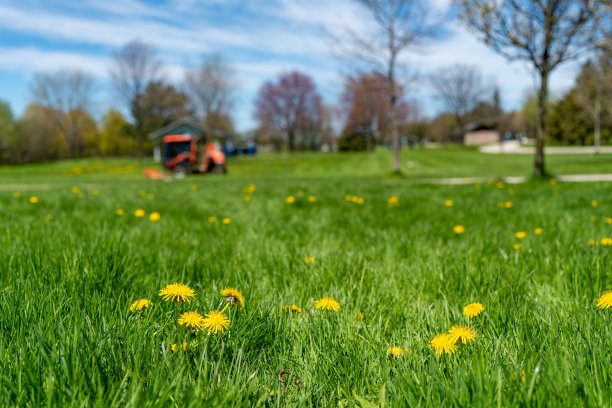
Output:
(515, 148)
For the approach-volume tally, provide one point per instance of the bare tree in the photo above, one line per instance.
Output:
(460, 87)
(134, 67)
(401, 25)
(593, 89)
(67, 95)
(210, 89)
(546, 33)
(290, 107)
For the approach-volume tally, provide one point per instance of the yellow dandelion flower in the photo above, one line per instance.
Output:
(139, 213)
(216, 322)
(608, 220)
(594, 203)
(538, 231)
(120, 211)
(250, 189)
(593, 218)
(75, 190)
(293, 308)
(194, 187)
(553, 181)
(448, 203)
(359, 200)
(393, 201)
(397, 351)
(247, 198)
(360, 316)
(458, 229)
(16, 194)
(348, 197)
(150, 196)
(95, 191)
(140, 304)
(290, 200)
(312, 199)
(605, 301)
(508, 204)
(520, 235)
(593, 242)
(33, 199)
(327, 303)
(177, 292)
(500, 184)
(233, 297)
(154, 216)
(193, 320)
(141, 193)
(309, 259)
(226, 221)
(212, 219)
(462, 334)
(473, 309)
(606, 241)
(443, 343)
(174, 348)
(516, 246)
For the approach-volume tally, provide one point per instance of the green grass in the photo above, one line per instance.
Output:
(67, 337)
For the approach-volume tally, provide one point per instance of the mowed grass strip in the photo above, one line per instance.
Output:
(71, 267)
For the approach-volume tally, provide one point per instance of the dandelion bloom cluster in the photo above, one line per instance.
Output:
(233, 297)
(193, 320)
(177, 292)
(174, 347)
(473, 309)
(397, 351)
(458, 229)
(140, 304)
(216, 322)
(293, 308)
(605, 301)
(606, 241)
(327, 303)
(443, 343)
(462, 334)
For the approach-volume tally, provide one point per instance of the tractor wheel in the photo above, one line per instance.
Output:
(180, 170)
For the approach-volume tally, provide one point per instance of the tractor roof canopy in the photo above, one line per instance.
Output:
(178, 138)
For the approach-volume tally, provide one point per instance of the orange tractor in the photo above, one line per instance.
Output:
(180, 155)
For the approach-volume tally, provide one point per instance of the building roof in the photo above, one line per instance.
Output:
(182, 126)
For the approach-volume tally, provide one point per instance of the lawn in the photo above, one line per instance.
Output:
(72, 266)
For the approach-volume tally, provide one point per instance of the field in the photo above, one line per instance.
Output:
(72, 266)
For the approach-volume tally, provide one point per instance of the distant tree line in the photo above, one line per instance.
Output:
(374, 107)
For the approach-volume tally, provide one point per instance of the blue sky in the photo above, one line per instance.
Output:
(260, 38)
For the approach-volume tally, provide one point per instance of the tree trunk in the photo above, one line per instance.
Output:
(538, 164)
(291, 137)
(395, 136)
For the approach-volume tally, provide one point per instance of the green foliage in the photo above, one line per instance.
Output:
(116, 135)
(353, 142)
